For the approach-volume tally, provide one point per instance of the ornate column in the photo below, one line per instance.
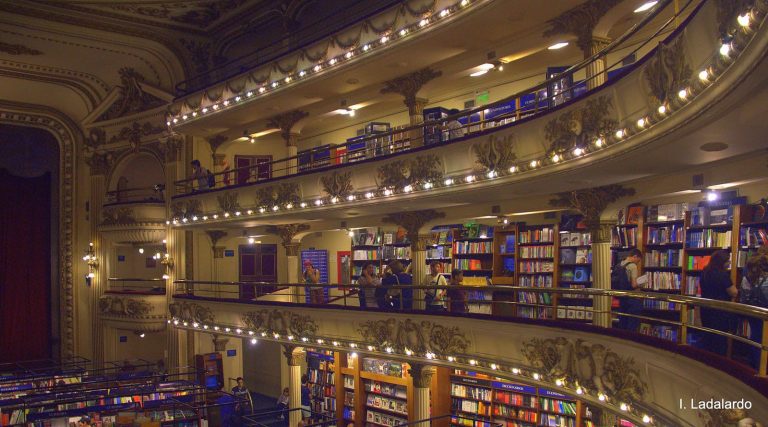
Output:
(286, 123)
(287, 233)
(217, 252)
(100, 164)
(412, 222)
(295, 357)
(601, 271)
(591, 203)
(581, 21)
(408, 86)
(174, 242)
(215, 142)
(422, 379)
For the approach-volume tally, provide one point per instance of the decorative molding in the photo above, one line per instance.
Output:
(593, 366)
(287, 232)
(199, 53)
(215, 236)
(280, 195)
(727, 11)
(338, 185)
(191, 312)
(215, 142)
(581, 21)
(18, 49)
(228, 201)
(409, 85)
(496, 154)
(281, 322)
(579, 127)
(124, 307)
(423, 242)
(724, 417)
(133, 99)
(412, 221)
(134, 133)
(591, 202)
(285, 122)
(186, 208)
(421, 374)
(603, 233)
(419, 170)
(420, 337)
(667, 71)
(198, 14)
(117, 216)
(170, 147)
(219, 343)
(292, 249)
(68, 135)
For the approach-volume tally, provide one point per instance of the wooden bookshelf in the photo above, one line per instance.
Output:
(537, 266)
(575, 272)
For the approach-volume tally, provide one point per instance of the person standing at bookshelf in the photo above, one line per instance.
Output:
(311, 277)
(716, 284)
(457, 296)
(368, 278)
(434, 298)
(624, 278)
(754, 291)
(306, 398)
(388, 298)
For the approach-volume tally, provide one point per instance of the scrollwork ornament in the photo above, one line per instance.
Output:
(191, 312)
(228, 202)
(281, 322)
(337, 185)
(420, 337)
(591, 202)
(496, 154)
(580, 126)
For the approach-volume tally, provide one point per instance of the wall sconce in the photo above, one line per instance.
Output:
(165, 259)
(90, 259)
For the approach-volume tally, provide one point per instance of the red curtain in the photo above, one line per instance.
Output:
(25, 267)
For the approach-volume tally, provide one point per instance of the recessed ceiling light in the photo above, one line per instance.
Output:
(478, 73)
(645, 6)
(558, 46)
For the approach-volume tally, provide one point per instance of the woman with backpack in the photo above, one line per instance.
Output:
(716, 284)
(754, 291)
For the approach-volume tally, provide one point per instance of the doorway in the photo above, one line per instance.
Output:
(254, 168)
(257, 263)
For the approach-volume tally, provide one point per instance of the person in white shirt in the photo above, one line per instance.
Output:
(435, 298)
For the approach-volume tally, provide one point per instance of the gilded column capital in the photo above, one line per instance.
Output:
(421, 374)
(602, 234)
(412, 221)
(294, 355)
(215, 142)
(581, 21)
(591, 202)
(422, 242)
(285, 122)
(219, 343)
(409, 85)
(292, 249)
(287, 232)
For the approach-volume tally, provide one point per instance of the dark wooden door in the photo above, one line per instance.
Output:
(257, 263)
(255, 168)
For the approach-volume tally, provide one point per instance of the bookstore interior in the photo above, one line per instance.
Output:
(473, 213)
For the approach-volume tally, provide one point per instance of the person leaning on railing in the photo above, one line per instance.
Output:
(754, 291)
(716, 284)
(434, 298)
(388, 298)
(368, 277)
(457, 296)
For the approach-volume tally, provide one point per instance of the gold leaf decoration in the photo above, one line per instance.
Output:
(228, 202)
(591, 202)
(421, 337)
(281, 322)
(191, 312)
(580, 126)
(667, 71)
(337, 184)
(496, 154)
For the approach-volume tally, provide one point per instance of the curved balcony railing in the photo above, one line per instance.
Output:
(560, 90)
(296, 40)
(674, 320)
(117, 285)
(152, 194)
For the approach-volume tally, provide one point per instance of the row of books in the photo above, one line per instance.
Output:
(537, 266)
(349, 381)
(663, 280)
(665, 235)
(698, 262)
(667, 212)
(471, 406)
(385, 389)
(541, 298)
(534, 312)
(538, 281)
(575, 256)
(466, 247)
(661, 258)
(320, 376)
(357, 270)
(708, 239)
(394, 405)
(623, 237)
(693, 286)
(439, 252)
(477, 231)
(552, 420)
(704, 215)
(384, 419)
(366, 255)
(396, 252)
(384, 367)
(753, 236)
(537, 251)
(468, 264)
(516, 399)
(520, 414)
(470, 422)
(442, 237)
(558, 406)
(540, 235)
(661, 305)
(659, 331)
(477, 393)
(575, 238)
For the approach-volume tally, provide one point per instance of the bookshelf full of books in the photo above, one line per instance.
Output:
(441, 250)
(473, 254)
(366, 248)
(495, 401)
(322, 380)
(504, 268)
(395, 247)
(387, 394)
(536, 267)
(575, 272)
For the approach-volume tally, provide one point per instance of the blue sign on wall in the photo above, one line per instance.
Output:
(232, 353)
(123, 338)
(229, 252)
(121, 258)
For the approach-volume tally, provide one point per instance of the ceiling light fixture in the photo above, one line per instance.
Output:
(645, 6)
(558, 45)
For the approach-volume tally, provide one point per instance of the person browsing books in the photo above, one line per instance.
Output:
(624, 278)
(368, 277)
(434, 298)
(306, 398)
(457, 296)
(716, 284)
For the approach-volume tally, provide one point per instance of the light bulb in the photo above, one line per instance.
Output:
(515, 371)
(444, 13)
(423, 22)
(448, 181)
(469, 178)
(316, 68)
(556, 158)
(536, 376)
(275, 208)
(494, 366)
(351, 233)
(303, 204)
(464, 2)
(351, 197)
(237, 213)
(366, 47)
(249, 94)
(320, 341)
(491, 174)
(302, 73)
(559, 382)
(166, 277)
(334, 199)
(254, 340)
(289, 206)
(646, 419)
(251, 240)
(194, 114)
(335, 343)
(408, 188)
(428, 185)
(451, 359)
(725, 49)
(226, 103)
(712, 196)
(408, 352)
(91, 275)
(262, 210)
(599, 142)
(332, 61)
(578, 151)
(387, 192)
(237, 99)
(620, 133)
(142, 335)
(623, 406)
(226, 214)
(683, 94)
(249, 212)
(215, 328)
(579, 390)
(641, 122)
(534, 163)
(662, 109)
(384, 39)
(370, 348)
(184, 117)
(601, 397)
(352, 345)
(318, 202)
(288, 79)
(239, 331)
(704, 75)
(353, 355)
(175, 120)
(473, 362)
(215, 106)
(743, 20)
(262, 89)
(512, 169)
(429, 355)
(368, 195)
(403, 32)
(141, 250)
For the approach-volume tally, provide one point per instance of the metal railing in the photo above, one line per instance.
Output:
(117, 285)
(528, 103)
(455, 420)
(152, 194)
(674, 319)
